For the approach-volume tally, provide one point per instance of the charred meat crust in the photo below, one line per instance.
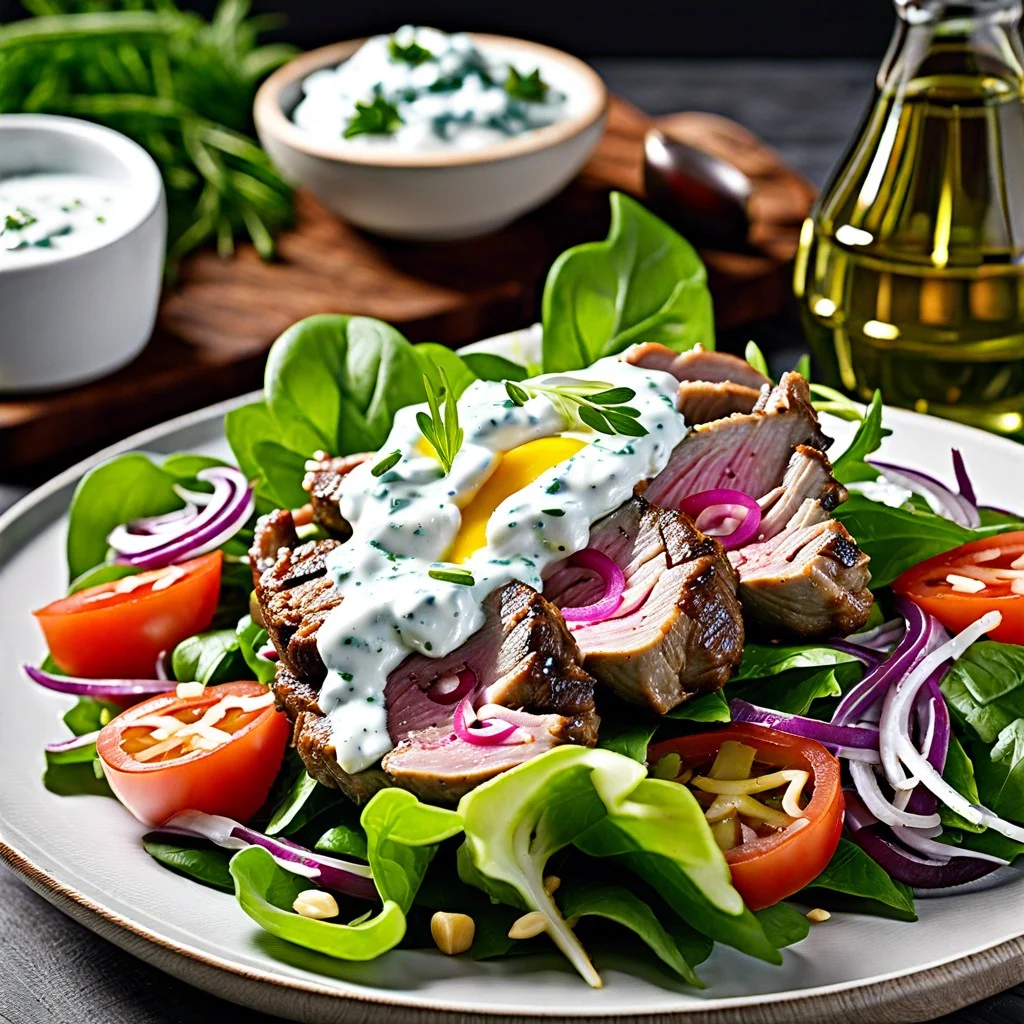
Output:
(323, 480)
(686, 638)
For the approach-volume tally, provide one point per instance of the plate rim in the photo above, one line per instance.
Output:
(901, 995)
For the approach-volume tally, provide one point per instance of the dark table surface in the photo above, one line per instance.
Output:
(52, 969)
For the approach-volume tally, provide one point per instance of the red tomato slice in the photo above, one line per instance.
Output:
(770, 868)
(155, 778)
(116, 630)
(988, 561)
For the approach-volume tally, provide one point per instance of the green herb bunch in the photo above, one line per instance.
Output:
(179, 86)
(592, 402)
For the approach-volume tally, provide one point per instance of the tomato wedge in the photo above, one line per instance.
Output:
(117, 629)
(225, 766)
(770, 865)
(988, 575)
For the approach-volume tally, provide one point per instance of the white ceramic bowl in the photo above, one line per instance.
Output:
(66, 318)
(437, 194)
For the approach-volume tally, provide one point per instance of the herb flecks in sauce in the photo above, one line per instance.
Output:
(530, 88)
(412, 579)
(378, 117)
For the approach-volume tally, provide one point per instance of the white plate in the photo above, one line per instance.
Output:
(83, 854)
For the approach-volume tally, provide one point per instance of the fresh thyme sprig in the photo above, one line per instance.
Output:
(592, 402)
(377, 118)
(388, 462)
(442, 431)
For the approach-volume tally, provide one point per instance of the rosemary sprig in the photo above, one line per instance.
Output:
(452, 575)
(442, 431)
(592, 402)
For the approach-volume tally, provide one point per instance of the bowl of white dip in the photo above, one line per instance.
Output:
(83, 227)
(429, 136)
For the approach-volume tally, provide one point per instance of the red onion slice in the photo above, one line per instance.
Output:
(941, 500)
(117, 689)
(223, 514)
(614, 584)
(343, 876)
(963, 480)
(697, 506)
(494, 732)
(450, 689)
(75, 743)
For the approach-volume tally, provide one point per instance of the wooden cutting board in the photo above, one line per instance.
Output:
(216, 324)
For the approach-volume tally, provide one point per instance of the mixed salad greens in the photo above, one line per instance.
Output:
(527, 855)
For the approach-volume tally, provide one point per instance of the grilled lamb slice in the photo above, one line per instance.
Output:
(698, 364)
(295, 595)
(808, 476)
(274, 531)
(440, 768)
(680, 632)
(810, 580)
(323, 481)
(702, 401)
(749, 452)
(311, 735)
(522, 657)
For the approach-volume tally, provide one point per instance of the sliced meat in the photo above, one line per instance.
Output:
(808, 476)
(274, 531)
(748, 452)
(697, 364)
(440, 768)
(322, 481)
(295, 595)
(702, 401)
(679, 632)
(311, 736)
(810, 580)
(522, 657)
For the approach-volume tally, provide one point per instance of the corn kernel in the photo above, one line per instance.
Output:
(818, 915)
(315, 904)
(453, 933)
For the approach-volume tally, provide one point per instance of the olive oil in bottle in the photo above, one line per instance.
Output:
(911, 267)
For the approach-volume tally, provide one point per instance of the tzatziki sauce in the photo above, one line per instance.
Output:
(408, 519)
(46, 214)
(421, 89)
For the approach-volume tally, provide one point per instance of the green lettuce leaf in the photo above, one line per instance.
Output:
(642, 283)
(762, 661)
(851, 465)
(89, 714)
(853, 881)
(602, 802)
(209, 658)
(75, 772)
(266, 893)
(712, 707)
(984, 688)
(202, 863)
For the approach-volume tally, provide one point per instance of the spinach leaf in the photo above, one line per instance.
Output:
(208, 658)
(630, 739)
(712, 707)
(959, 773)
(251, 640)
(983, 688)
(642, 283)
(287, 816)
(89, 714)
(487, 366)
(755, 357)
(434, 358)
(124, 488)
(896, 538)
(617, 904)
(1000, 775)
(783, 925)
(859, 884)
(851, 465)
(101, 574)
(402, 836)
(762, 661)
(343, 841)
(794, 692)
(266, 893)
(204, 864)
(278, 482)
(75, 773)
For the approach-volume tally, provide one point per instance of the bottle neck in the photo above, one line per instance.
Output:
(951, 38)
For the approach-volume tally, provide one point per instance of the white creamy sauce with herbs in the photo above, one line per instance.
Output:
(406, 520)
(447, 93)
(46, 214)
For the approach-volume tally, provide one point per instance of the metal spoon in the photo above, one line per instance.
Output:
(704, 197)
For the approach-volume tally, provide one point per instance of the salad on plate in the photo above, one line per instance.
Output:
(578, 635)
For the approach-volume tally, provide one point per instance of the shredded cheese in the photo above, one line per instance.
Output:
(964, 584)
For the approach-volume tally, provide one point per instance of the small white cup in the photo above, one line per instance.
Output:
(74, 317)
